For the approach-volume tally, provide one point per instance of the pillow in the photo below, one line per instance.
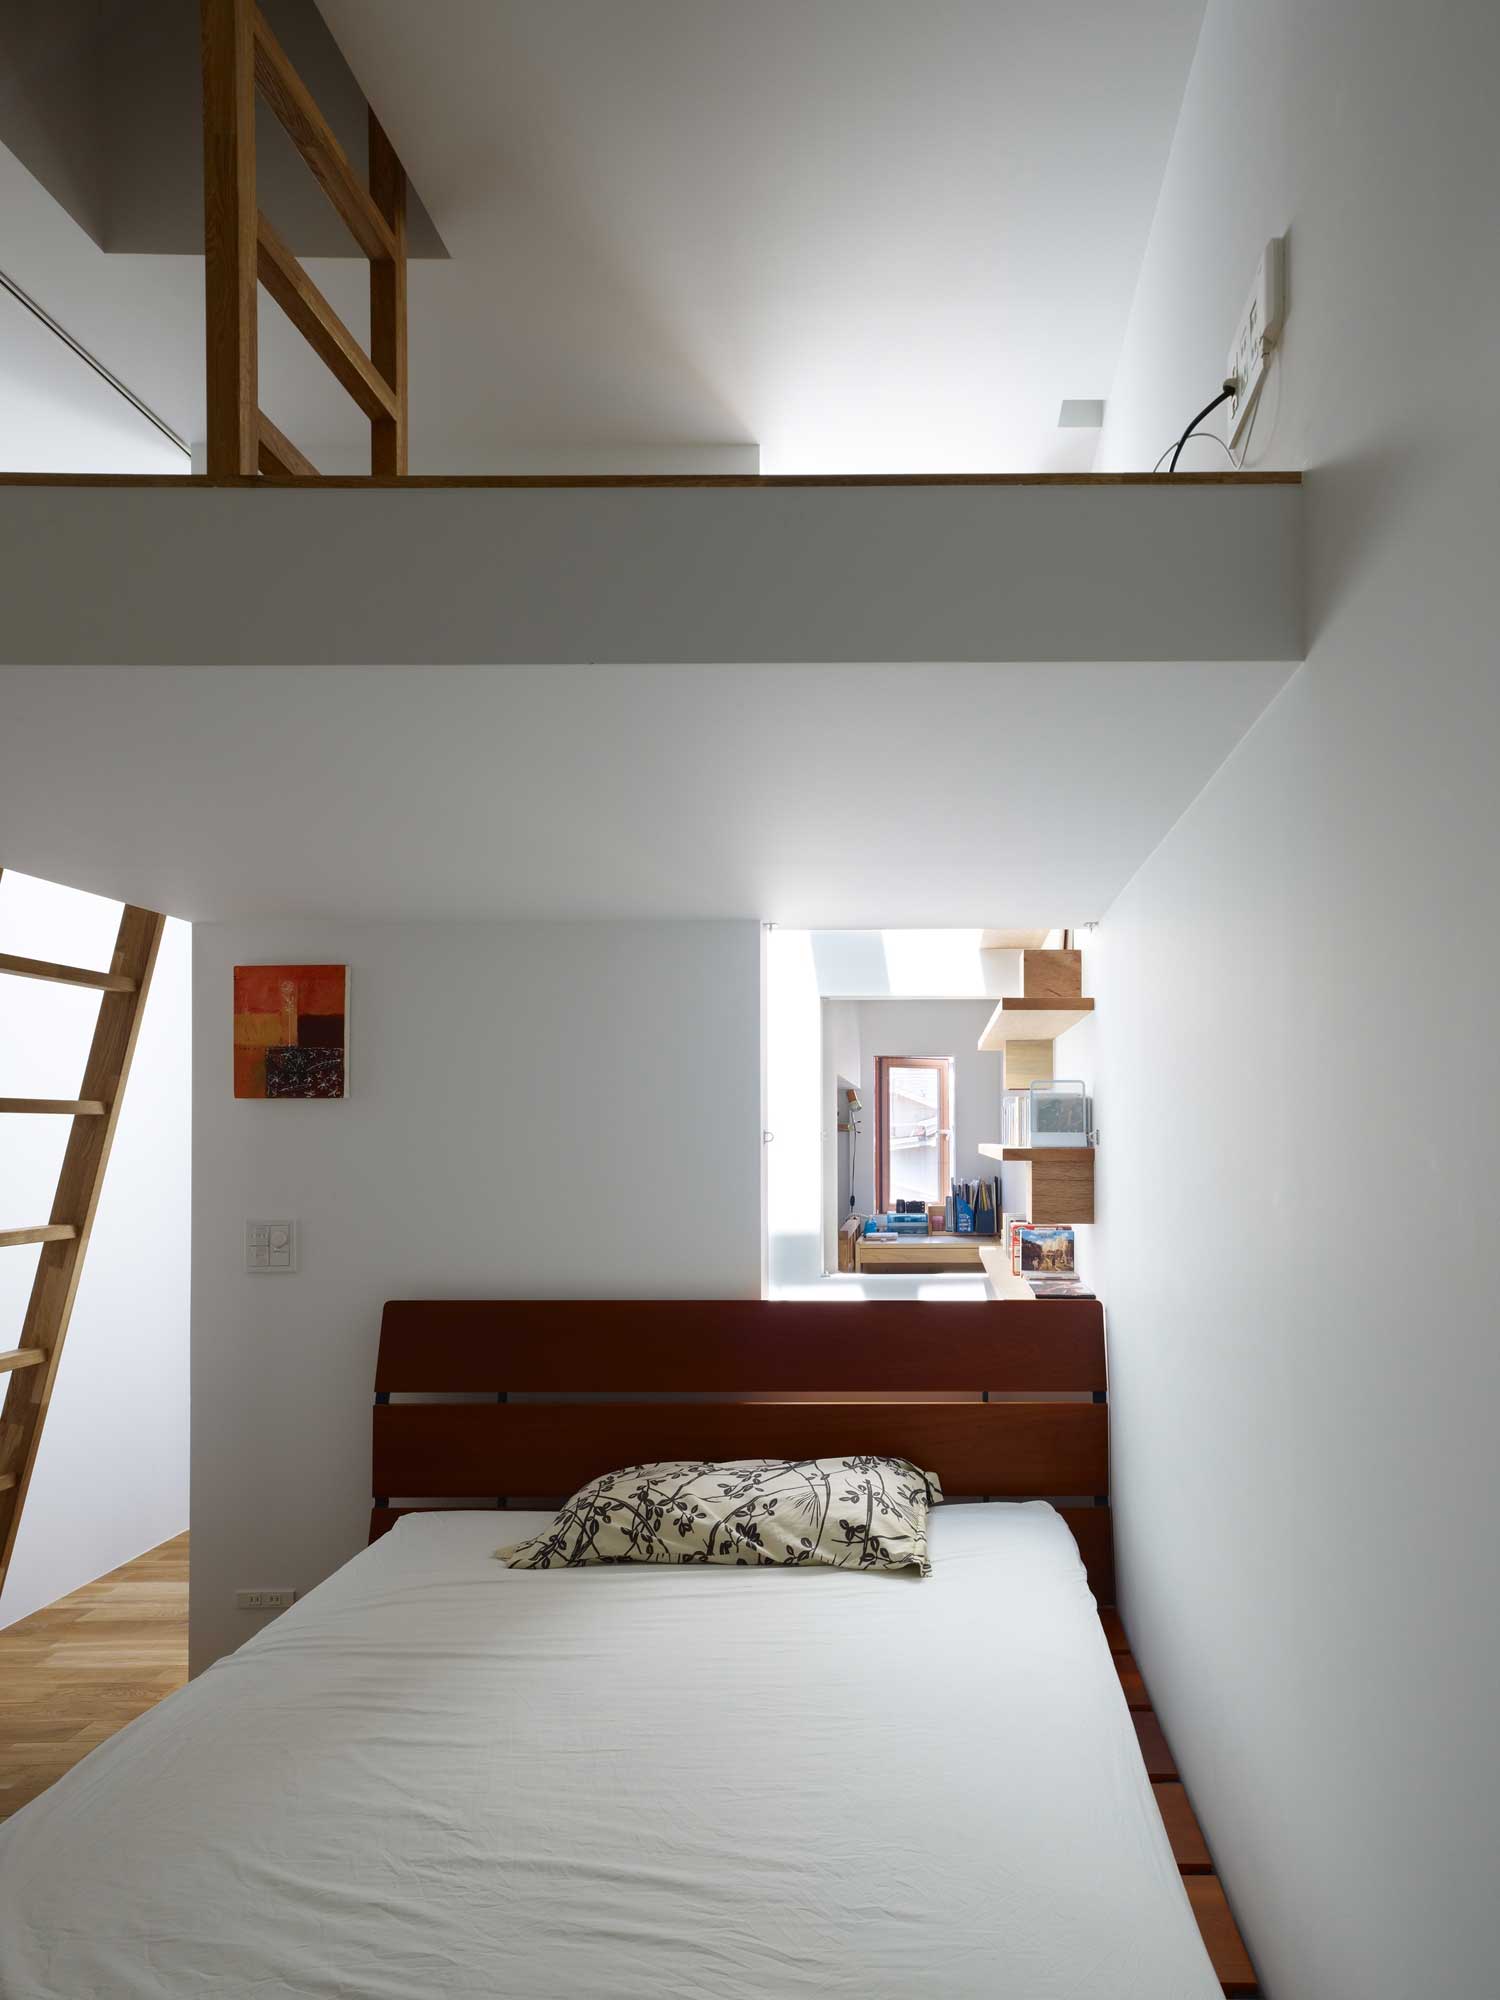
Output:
(849, 1513)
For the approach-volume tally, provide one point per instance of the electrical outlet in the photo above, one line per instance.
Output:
(264, 1600)
(270, 1246)
(1255, 336)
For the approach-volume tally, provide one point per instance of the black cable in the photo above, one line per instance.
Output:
(1229, 389)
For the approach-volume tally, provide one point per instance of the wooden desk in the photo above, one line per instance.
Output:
(918, 1253)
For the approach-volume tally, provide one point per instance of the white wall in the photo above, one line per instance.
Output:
(112, 1476)
(1296, 1046)
(626, 1164)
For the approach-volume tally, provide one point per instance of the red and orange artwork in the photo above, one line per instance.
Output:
(289, 1030)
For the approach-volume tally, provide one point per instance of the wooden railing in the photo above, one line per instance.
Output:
(242, 248)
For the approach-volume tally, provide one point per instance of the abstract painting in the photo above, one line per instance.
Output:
(290, 1030)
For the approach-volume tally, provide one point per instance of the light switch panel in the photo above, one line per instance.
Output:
(270, 1246)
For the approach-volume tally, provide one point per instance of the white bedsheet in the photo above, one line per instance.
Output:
(437, 1776)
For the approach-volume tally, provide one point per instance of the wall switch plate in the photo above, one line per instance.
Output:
(1255, 336)
(270, 1246)
(264, 1600)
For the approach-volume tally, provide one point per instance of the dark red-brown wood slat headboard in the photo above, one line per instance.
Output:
(733, 1359)
(644, 1345)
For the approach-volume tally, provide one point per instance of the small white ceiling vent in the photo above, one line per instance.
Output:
(1081, 413)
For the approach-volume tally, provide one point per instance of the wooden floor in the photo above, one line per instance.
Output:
(73, 1674)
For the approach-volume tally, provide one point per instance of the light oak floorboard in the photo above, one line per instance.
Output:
(74, 1673)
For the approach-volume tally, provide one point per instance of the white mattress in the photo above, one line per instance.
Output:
(437, 1776)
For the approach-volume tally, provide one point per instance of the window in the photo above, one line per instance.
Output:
(913, 1128)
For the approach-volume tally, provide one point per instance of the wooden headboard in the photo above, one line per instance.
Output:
(734, 1358)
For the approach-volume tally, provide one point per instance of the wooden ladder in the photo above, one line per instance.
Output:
(30, 1370)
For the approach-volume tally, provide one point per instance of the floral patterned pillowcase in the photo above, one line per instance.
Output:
(850, 1513)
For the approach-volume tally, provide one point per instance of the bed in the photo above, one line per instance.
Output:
(439, 1776)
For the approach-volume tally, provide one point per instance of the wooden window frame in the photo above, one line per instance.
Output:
(883, 1067)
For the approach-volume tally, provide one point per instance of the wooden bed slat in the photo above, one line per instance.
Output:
(1114, 1631)
(1189, 1848)
(1131, 1684)
(1221, 1934)
(576, 1345)
(1011, 1450)
(1158, 1757)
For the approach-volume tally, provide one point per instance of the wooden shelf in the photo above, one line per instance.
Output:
(1032, 1021)
(1062, 1179)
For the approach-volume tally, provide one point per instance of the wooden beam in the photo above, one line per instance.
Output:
(65, 975)
(229, 235)
(279, 455)
(42, 1232)
(388, 304)
(291, 100)
(320, 326)
(21, 1357)
(59, 1107)
(66, 1238)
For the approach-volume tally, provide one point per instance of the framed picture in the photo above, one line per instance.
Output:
(1059, 1113)
(1043, 1250)
(291, 1030)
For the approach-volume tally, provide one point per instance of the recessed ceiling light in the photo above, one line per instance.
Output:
(1084, 413)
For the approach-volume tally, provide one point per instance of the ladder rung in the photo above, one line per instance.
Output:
(7, 1480)
(43, 1232)
(65, 975)
(62, 1107)
(21, 1357)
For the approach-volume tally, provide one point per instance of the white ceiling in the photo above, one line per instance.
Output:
(863, 234)
(826, 796)
(860, 234)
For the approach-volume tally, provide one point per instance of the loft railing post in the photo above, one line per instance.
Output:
(229, 211)
(388, 303)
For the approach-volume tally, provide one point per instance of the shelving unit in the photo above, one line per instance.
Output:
(1062, 1179)
(1031, 1021)
(1023, 1030)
